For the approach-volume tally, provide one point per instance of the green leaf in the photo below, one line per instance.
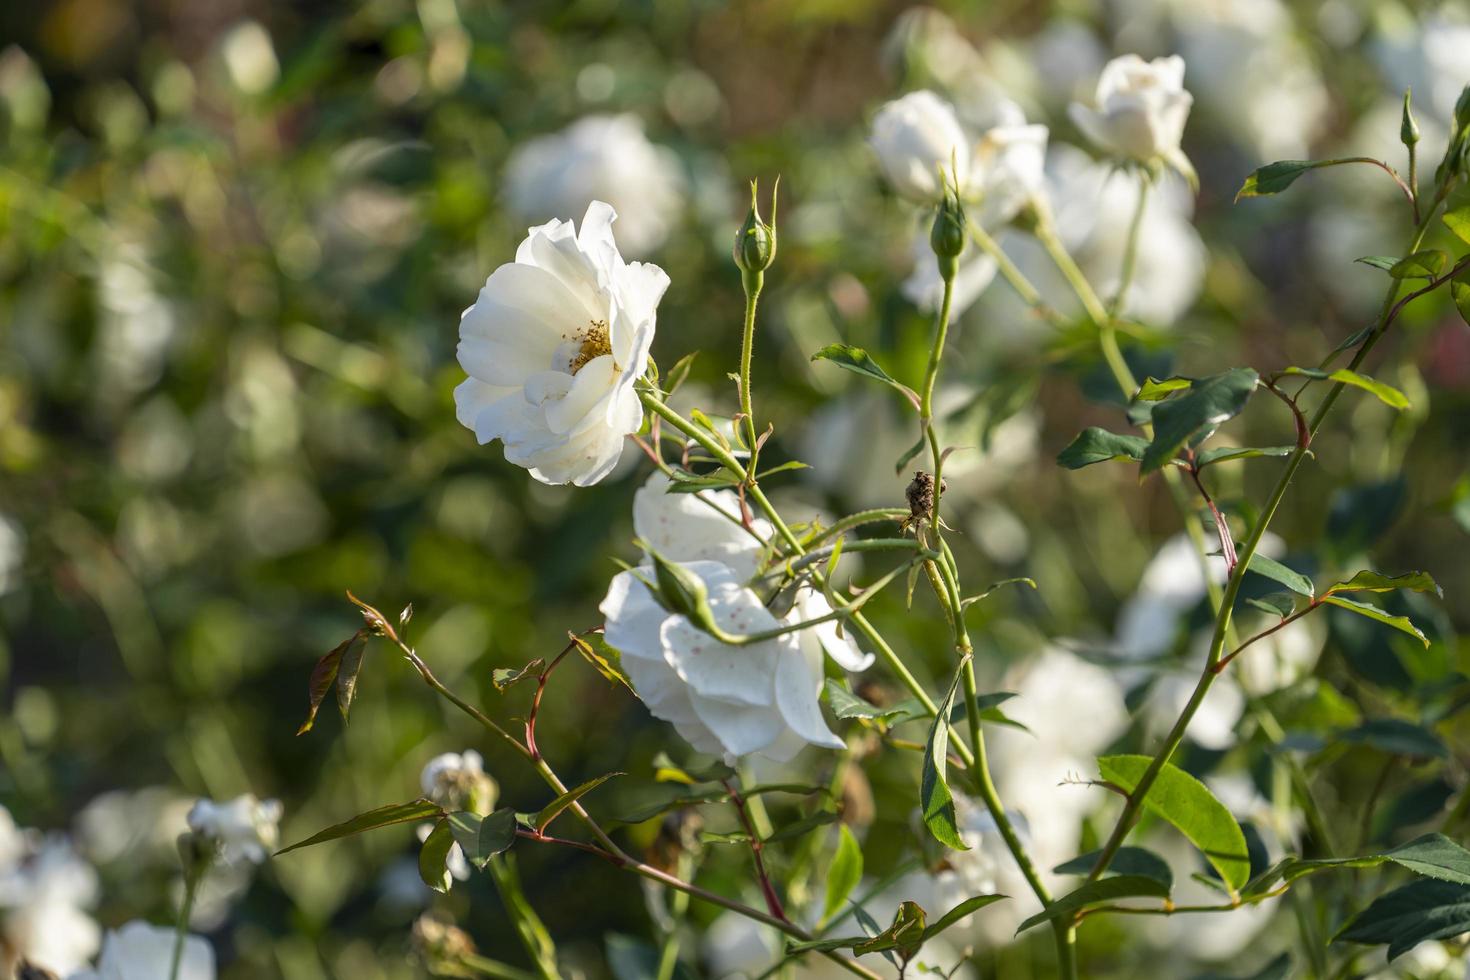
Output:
(1274, 178)
(1093, 892)
(432, 857)
(1280, 574)
(858, 361)
(845, 872)
(1397, 737)
(1457, 220)
(957, 913)
(347, 673)
(790, 464)
(383, 816)
(935, 799)
(846, 704)
(968, 601)
(1277, 603)
(1226, 454)
(1187, 803)
(804, 826)
(1434, 856)
(504, 677)
(1385, 393)
(1154, 389)
(679, 372)
(1367, 581)
(1425, 264)
(554, 809)
(1384, 262)
(1128, 861)
(1373, 612)
(1209, 402)
(481, 838)
(1277, 969)
(1460, 293)
(324, 673)
(908, 455)
(1095, 445)
(904, 936)
(1407, 916)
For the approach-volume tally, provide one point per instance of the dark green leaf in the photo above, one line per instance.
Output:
(1373, 612)
(967, 907)
(935, 800)
(804, 826)
(554, 809)
(1209, 402)
(1274, 178)
(858, 361)
(1421, 265)
(1279, 573)
(383, 816)
(1367, 581)
(347, 674)
(1187, 803)
(844, 873)
(504, 677)
(1128, 861)
(1096, 445)
(1434, 856)
(1276, 603)
(1094, 892)
(323, 675)
(432, 857)
(1397, 737)
(481, 838)
(1407, 916)
(1277, 969)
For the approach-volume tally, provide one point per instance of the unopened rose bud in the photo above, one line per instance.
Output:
(755, 242)
(1409, 128)
(948, 233)
(682, 592)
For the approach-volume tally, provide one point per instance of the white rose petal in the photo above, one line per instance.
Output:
(915, 137)
(698, 526)
(553, 346)
(139, 951)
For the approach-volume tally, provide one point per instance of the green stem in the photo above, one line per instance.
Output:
(1023, 286)
(752, 282)
(1130, 250)
(192, 878)
(1237, 577)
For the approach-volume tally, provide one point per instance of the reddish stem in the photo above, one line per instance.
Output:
(757, 846)
(574, 639)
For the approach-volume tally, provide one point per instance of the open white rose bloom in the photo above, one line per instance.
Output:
(553, 346)
(726, 700)
(246, 828)
(1141, 108)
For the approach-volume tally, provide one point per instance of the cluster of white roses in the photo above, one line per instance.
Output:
(48, 889)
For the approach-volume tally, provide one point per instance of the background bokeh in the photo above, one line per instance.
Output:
(235, 239)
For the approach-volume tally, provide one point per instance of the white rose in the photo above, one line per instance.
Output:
(915, 137)
(725, 700)
(246, 829)
(600, 158)
(139, 951)
(553, 346)
(1141, 109)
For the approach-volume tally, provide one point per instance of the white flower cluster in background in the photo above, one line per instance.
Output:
(47, 895)
(246, 829)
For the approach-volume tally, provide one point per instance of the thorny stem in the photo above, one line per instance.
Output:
(1232, 589)
(757, 847)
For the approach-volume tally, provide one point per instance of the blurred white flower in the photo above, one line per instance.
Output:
(12, 554)
(1213, 725)
(600, 158)
(250, 57)
(916, 138)
(553, 346)
(45, 890)
(137, 825)
(458, 781)
(245, 828)
(139, 951)
(1141, 108)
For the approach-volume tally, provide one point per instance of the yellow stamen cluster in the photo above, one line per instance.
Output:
(593, 342)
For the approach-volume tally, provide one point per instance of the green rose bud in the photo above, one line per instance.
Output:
(948, 233)
(755, 242)
(680, 591)
(1409, 128)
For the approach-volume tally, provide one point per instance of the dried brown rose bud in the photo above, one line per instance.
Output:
(920, 494)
